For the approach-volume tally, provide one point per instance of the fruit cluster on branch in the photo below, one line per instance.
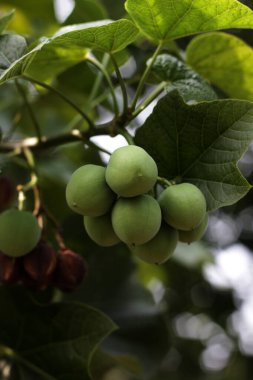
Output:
(25, 257)
(118, 205)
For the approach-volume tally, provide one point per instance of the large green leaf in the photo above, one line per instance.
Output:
(190, 85)
(70, 46)
(226, 61)
(201, 144)
(164, 20)
(106, 35)
(54, 342)
(4, 20)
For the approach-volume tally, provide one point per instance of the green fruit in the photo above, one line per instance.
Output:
(131, 171)
(196, 234)
(136, 220)
(183, 206)
(160, 248)
(19, 232)
(87, 192)
(100, 230)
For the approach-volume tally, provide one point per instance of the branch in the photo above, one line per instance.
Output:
(33, 143)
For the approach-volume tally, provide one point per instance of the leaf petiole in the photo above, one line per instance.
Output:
(145, 76)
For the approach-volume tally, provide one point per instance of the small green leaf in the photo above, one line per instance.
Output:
(164, 20)
(189, 84)
(201, 144)
(4, 20)
(53, 342)
(224, 60)
(70, 46)
(12, 47)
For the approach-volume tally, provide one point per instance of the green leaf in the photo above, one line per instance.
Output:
(189, 84)
(12, 47)
(70, 46)
(85, 11)
(106, 35)
(54, 342)
(4, 20)
(164, 20)
(226, 61)
(201, 144)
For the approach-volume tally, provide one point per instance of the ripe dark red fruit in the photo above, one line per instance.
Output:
(7, 192)
(40, 263)
(70, 271)
(9, 269)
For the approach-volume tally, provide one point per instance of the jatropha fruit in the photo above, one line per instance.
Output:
(19, 232)
(183, 206)
(118, 205)
(131, 171)
(87, 192)
(136, 220)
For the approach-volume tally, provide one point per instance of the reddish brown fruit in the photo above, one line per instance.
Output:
(9, 269)
(40, 263)
(70, 271)
(7, 192)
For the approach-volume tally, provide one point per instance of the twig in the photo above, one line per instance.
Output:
(63, 97)
(29, 109)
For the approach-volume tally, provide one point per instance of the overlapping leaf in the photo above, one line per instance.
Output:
(201, 144)
(164, 20)
(226, 61)
(190, 85)
(50, 342)
(69, 46)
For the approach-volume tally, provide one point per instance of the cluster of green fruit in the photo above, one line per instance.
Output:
(25, 258)
(118, 206)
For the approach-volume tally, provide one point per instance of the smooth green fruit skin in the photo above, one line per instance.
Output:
(100, 230)
(136, 220)
(183, 206)
(131, 171)
(19, 232)
(160, 248)
(87, 192)
(196, 234)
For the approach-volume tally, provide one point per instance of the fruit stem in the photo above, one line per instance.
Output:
(127, 136)
(21, 200)
(58, 231)
(32, 184)
(164, 182)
